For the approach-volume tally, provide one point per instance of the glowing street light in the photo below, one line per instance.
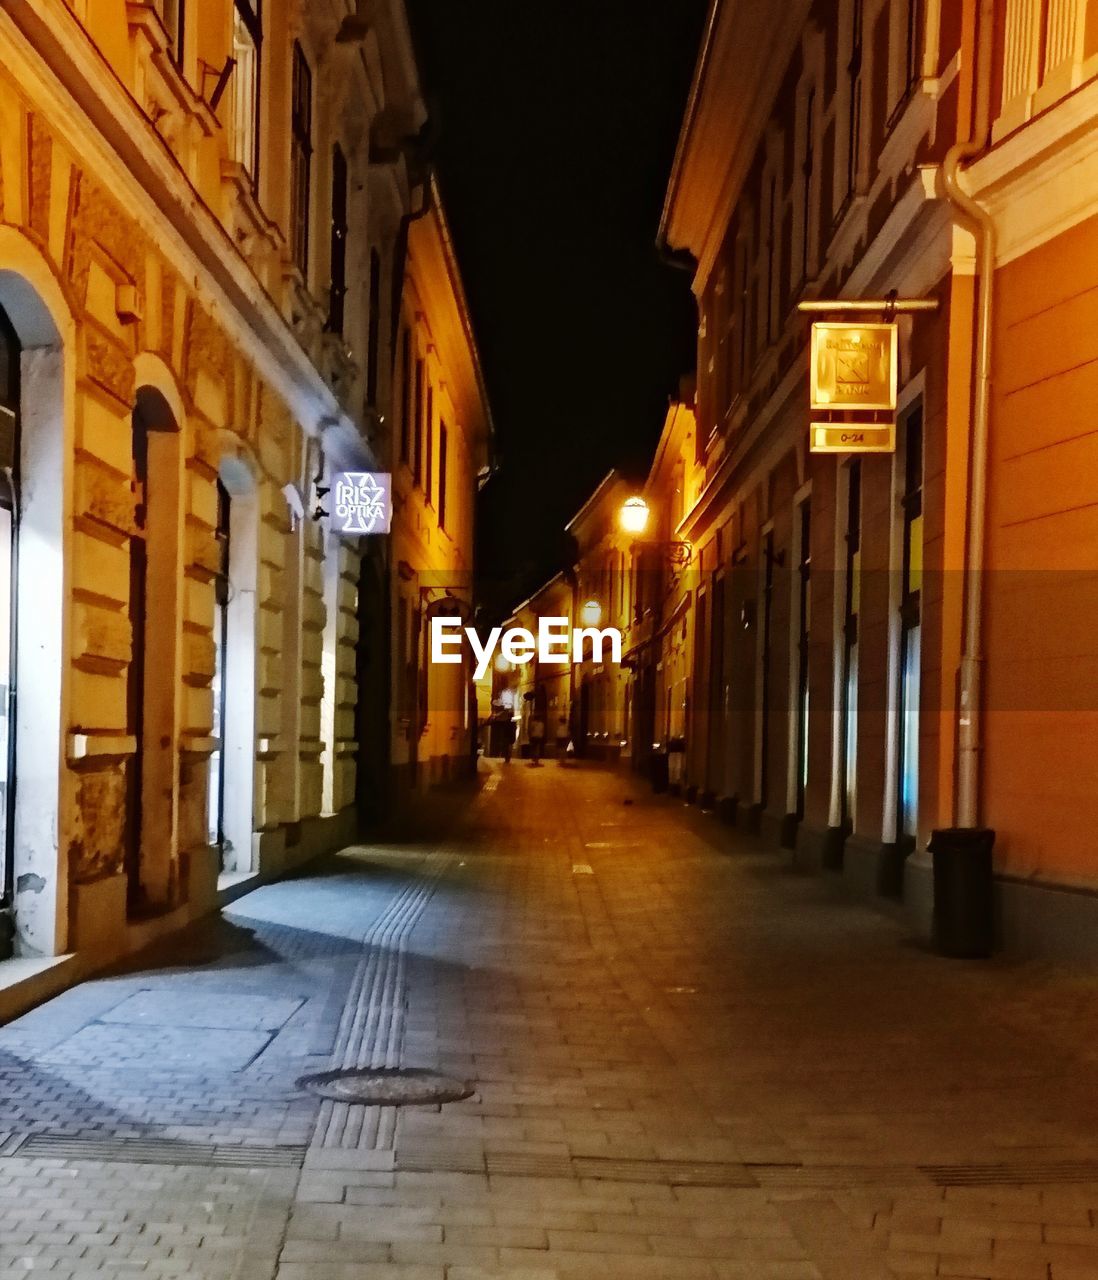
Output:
(503, 666)
(634, 516)
(633, 519)
(591, 613)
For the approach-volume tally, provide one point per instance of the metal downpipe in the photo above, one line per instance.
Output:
(969, 729)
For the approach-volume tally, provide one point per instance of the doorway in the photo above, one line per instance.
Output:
(231, 797)
(216, 786)
(151, 785)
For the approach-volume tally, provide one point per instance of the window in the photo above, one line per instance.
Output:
(849, 655)
(247, 41)
(417, 426)
(769, 561)
(744, 302)
(912, 14)
(804, 620)
(301, 154)
(771, 256)
(429, 446)
(373, 341)
(172, 14)
(907, 817)
(854, 105)
(807, 166)
(405, 392)
(337, 296)
(443, 469)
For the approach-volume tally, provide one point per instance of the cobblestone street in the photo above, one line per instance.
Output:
(687, 1061)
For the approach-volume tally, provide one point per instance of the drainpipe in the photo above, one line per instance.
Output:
(969, 713)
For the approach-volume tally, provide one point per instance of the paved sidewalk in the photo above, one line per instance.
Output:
(687, 1062)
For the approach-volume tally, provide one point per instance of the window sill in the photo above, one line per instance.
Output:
(259, 239)
(160, 86)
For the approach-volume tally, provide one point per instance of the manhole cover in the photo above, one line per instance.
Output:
(386, 1086)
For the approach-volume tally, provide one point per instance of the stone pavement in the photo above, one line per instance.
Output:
(687, 1062)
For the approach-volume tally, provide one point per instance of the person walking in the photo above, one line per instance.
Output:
(536, 733)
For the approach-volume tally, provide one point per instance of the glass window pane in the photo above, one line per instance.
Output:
(245, 91)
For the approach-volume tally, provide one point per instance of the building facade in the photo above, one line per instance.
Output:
(602, 693)
(867, 648)
(204, 213)
(663, 600)
(440, 453)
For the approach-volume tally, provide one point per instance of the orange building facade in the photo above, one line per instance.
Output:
(815, 668)
(440, 452)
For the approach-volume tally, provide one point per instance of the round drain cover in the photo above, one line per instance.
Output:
(386, 1086)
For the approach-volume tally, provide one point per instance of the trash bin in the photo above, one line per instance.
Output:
(963, 912)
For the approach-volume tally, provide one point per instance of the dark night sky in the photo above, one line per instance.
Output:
(556, 131)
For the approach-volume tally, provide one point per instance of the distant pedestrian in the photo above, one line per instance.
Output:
(537, 739)
(508, 739)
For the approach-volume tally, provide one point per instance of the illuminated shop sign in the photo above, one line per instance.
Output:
(854, 366)
(362, 502)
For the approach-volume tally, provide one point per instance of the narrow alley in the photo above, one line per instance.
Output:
(685, 1061)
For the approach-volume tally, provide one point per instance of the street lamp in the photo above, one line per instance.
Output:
(633, 518)
(591, 613)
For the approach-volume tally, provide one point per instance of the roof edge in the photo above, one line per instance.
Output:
(701, 69)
